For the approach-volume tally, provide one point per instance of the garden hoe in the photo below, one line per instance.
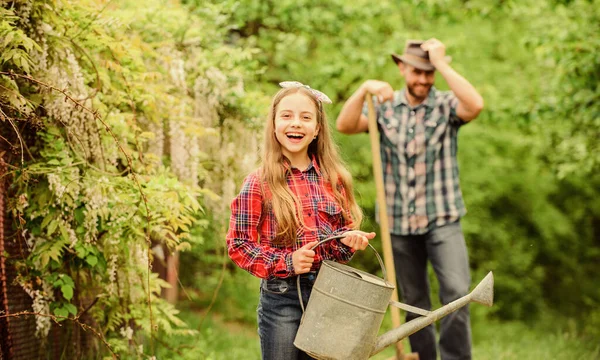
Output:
(383, 223)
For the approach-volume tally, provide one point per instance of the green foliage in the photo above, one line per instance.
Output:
(93, 188)
(567, 46)
(528, 164)
(510, 247)
(491, 340)
(107, 134)
(16, 45)
(218, 339)
(515, 340)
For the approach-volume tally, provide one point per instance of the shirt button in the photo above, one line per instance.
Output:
(412, 112)
(410, 131)
(306, 194)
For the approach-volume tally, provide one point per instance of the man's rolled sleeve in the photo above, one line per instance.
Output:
(452, 101)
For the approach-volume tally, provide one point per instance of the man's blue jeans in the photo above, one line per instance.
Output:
(446, 249)
(279, 315)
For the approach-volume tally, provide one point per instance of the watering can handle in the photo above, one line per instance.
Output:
(333, 238)
(371, 246)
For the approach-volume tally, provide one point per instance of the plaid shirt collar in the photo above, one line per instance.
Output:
(313, 164)
(400, 99)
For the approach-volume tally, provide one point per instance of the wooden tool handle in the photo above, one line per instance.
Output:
(386, 241)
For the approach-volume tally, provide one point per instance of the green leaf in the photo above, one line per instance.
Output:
(64, 232)
(52, 227)
(8, 38)
(52, 278)
(61, 311)
(81, 251)
(42, 199)
(44, 258)
(67, 291)
(54, 265)
(92, 260)
(67, 280)
(71, 308)
(47, 219)
(183, 246)
(55, 249)
(79, 215)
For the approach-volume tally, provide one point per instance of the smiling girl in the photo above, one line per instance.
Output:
(299, 195)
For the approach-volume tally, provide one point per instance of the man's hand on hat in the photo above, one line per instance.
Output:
(381, 89)
(436, 49)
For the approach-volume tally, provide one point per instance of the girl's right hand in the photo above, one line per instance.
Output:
(303, 258)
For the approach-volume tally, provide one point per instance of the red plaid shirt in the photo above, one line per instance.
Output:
(252, 226)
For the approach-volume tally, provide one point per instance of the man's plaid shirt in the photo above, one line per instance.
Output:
(420, 168)
(252, 226)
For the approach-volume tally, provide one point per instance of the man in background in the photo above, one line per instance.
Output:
(418, 127)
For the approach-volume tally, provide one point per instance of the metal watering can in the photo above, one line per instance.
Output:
(346, 308)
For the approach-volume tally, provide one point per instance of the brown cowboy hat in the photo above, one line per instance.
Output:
(415, 56)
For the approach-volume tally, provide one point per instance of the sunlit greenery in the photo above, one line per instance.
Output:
(175, 94)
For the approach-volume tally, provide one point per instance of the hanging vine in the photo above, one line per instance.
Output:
(113, 119)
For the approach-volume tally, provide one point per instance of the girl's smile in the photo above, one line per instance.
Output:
(296, 127)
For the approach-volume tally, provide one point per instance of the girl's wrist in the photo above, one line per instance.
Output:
(289, 264)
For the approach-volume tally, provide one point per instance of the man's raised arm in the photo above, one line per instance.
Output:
(351, 120)
(470, 102)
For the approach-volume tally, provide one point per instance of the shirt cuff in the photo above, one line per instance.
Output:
(346, 252)
(285, 267)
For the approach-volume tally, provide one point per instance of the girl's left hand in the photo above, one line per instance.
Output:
(356, 239)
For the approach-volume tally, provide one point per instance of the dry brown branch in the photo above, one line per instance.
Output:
(182, 287)
(168, 346)
(216, 292)
(3, 116)
(75, 319)
(69, 133)
(131, 104)
(5, 139)
(97, 87)
(89, 306)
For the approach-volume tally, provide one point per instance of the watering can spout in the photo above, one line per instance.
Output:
(484, 291)
(482, 294)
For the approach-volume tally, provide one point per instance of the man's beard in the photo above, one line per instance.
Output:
(420, 98)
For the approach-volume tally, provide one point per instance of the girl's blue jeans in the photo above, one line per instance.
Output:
(279, 315)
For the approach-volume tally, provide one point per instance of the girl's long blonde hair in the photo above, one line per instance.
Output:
(275, 168)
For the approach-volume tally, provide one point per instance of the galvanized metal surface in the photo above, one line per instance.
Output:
(344, 313)
(409, 308)
(346, 308)
(483, 294)
(327, 240)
